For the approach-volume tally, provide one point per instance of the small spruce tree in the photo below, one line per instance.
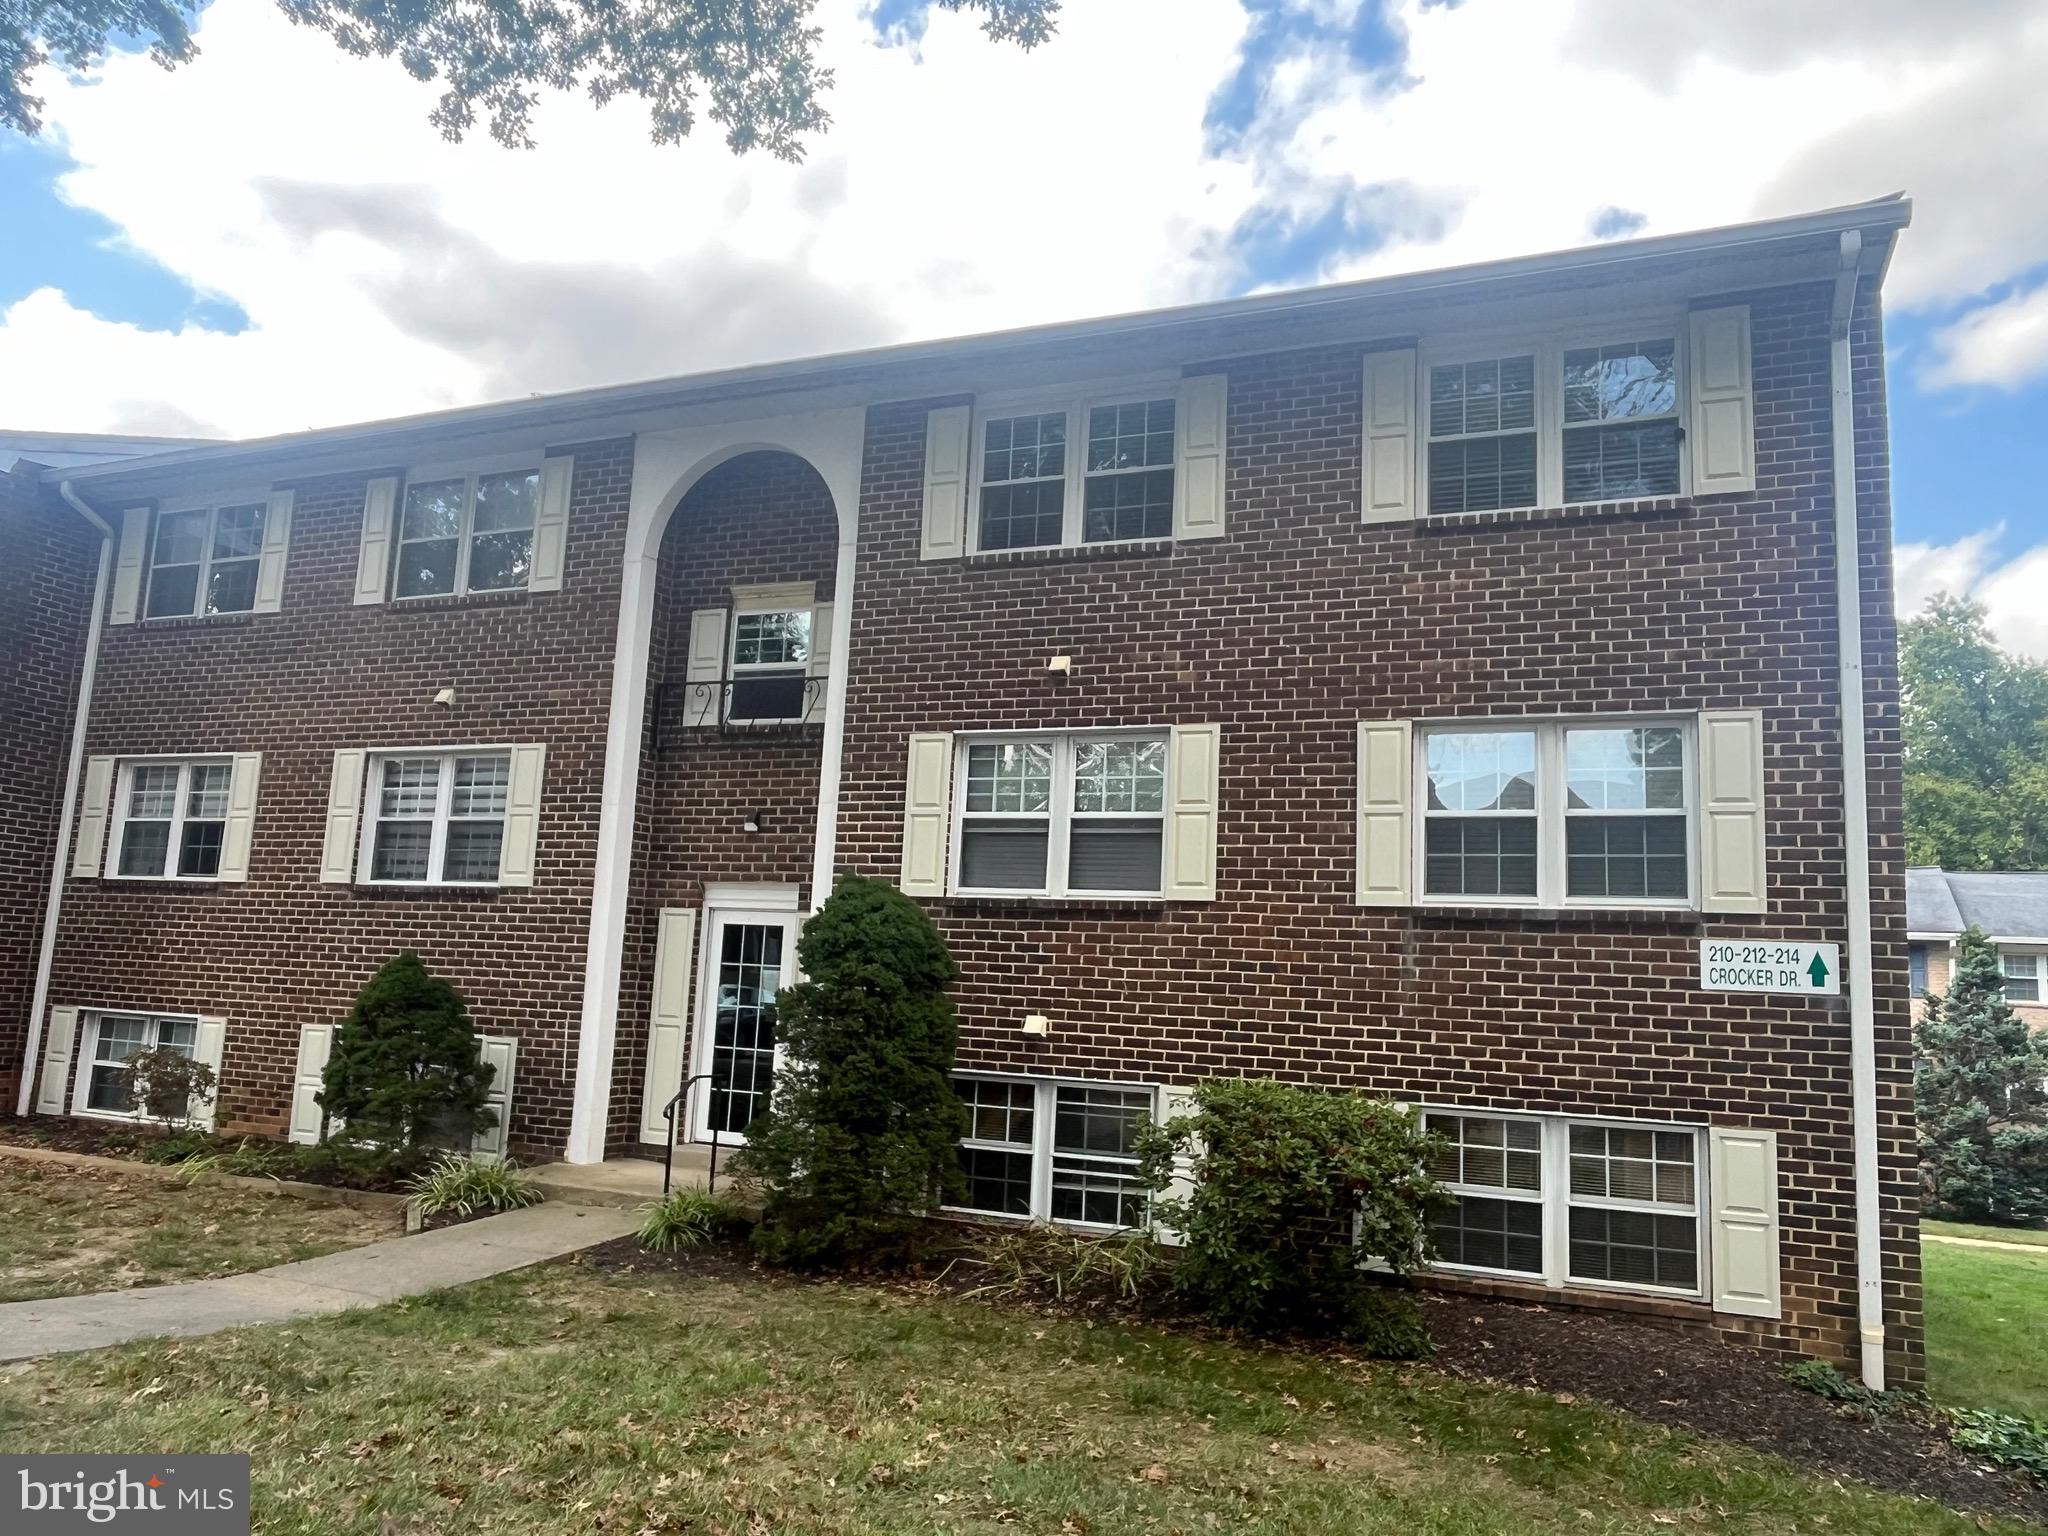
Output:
(1982, 1108)
(406, 1069)
(861, 1142)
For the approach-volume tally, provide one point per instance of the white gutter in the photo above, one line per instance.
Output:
(1856, 824)
(53, 905)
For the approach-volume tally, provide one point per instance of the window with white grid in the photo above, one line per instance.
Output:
(1061, 815)
(1494, 1167)
(469, 533)
(436, 819)
(1054, 1151)
(170, 819)
(2024, 976)
(203, 560)
(1099, 468)
(1482, 434)
(110, 1039)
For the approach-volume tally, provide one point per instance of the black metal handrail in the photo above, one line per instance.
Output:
(668, 1153)
(747, 701)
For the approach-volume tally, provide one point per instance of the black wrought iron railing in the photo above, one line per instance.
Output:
(761, 701)
(679, 1104)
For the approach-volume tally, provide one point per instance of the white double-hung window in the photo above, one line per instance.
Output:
(771, 663)
(170, 819)
(467, 533)
(2025, 975)
(110, 1039)
(1094, 469)
(1569, 1202)
(1557, 813)
(1061, 814)
(436, 819)
(1053, 1151)
(205, 560)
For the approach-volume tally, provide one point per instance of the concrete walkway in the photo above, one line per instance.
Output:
(2039, 1250)
(368, 1276)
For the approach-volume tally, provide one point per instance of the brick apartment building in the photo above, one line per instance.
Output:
(1388, 685)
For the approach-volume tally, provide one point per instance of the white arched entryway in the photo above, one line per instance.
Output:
(665, 466)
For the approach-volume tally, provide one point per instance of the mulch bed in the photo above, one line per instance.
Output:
(1655, 1371)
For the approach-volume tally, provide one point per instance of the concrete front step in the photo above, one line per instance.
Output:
(626, 1182)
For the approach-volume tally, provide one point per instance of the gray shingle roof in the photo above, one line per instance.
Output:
(2008, 903)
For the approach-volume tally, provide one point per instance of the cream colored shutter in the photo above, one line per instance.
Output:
(241, 828)
(821, 662)
(1742, 1175)
(316, 1043)
(704, 668)
(1174, 1103)
(945, 482)
(1191, 774)
(1385, 845)
(1733, 877)
(1202, 437)
(551, 524)
(927, 813)
(344, 816)
(373, 555)
(1388, 473)
(516, 857)
(90, 849)
(502, 1052)
(277, 543)
(1723, 437)
(668, 1020)
(129, 558)
(56, 1079)
(211, 1040)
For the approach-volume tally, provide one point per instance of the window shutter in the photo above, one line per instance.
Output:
(241, 827)
(57, 1061)
(1385, 849)
(1723, 437)
(277, 543)
(927, 813)
(1742, 1169)
(551, 524)
(128, 563)
(1732, 876)
(1191, 773)
(668, 1020)
(90, 850)
(516, 855)
(821, 640)
(344, 814)
(373, 555)
(1202, 439)
(704, 668)
(1388, 473)
(501, 1052)
(945, 482)
(309, 1080)
(1174, 1103)
(212, 1038)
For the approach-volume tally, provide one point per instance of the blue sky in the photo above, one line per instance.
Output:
(1279, 142)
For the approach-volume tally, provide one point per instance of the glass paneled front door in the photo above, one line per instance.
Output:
(747, 960)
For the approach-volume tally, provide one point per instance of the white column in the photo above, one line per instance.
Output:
(835, 711)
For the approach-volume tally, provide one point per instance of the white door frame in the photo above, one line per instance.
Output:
(704, 1045)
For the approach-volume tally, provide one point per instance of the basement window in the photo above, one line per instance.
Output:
(1048, 1150)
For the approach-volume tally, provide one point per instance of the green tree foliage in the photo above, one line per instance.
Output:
(751, 64)
(406, 1069)
(861, 1142)
(168, 1086)
(1982, 1109)
(1976, 738)
(1283, 1192)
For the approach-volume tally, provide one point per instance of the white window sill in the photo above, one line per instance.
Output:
(429, 885)
(1102, 549)
(167, 879)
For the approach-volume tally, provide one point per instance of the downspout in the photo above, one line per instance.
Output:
(1856, 823)
(53, 906)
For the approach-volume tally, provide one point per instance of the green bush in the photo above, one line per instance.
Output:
(1385, 1324)
(178, 1147)
(1289, 1191)
(2006, 1438)
(689, 1218)
(406, 1070)
(168, 1086)
(344, 1166)
(466, 1185)
(861, 1142)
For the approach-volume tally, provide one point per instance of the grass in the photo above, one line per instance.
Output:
(2032, 1237)
(1986, 1347)
(65, 1230)
(568, 1400)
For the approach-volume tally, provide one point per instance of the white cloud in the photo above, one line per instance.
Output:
(1971, 566)
(966, 185)
(2003, 344)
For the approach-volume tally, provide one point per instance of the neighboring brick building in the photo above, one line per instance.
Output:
(2010, 907)
(1392, 685)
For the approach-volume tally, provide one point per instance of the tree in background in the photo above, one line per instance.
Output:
(1982, 1106)
(1975, 722)
(406, 1069)
(862, 1140)
(752, 62)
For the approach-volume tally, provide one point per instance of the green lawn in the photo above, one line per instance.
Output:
(2033, 1237)
(66, 1230)
(1987, 1327)
(566, 1400)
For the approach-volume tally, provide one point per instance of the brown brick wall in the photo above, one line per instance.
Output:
(48, 560)
(283, 949)
(1302, 621)
(756, 520)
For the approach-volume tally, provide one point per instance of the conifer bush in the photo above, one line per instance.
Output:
(861, 1140)
(406, 1070)
(1983, 1114)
